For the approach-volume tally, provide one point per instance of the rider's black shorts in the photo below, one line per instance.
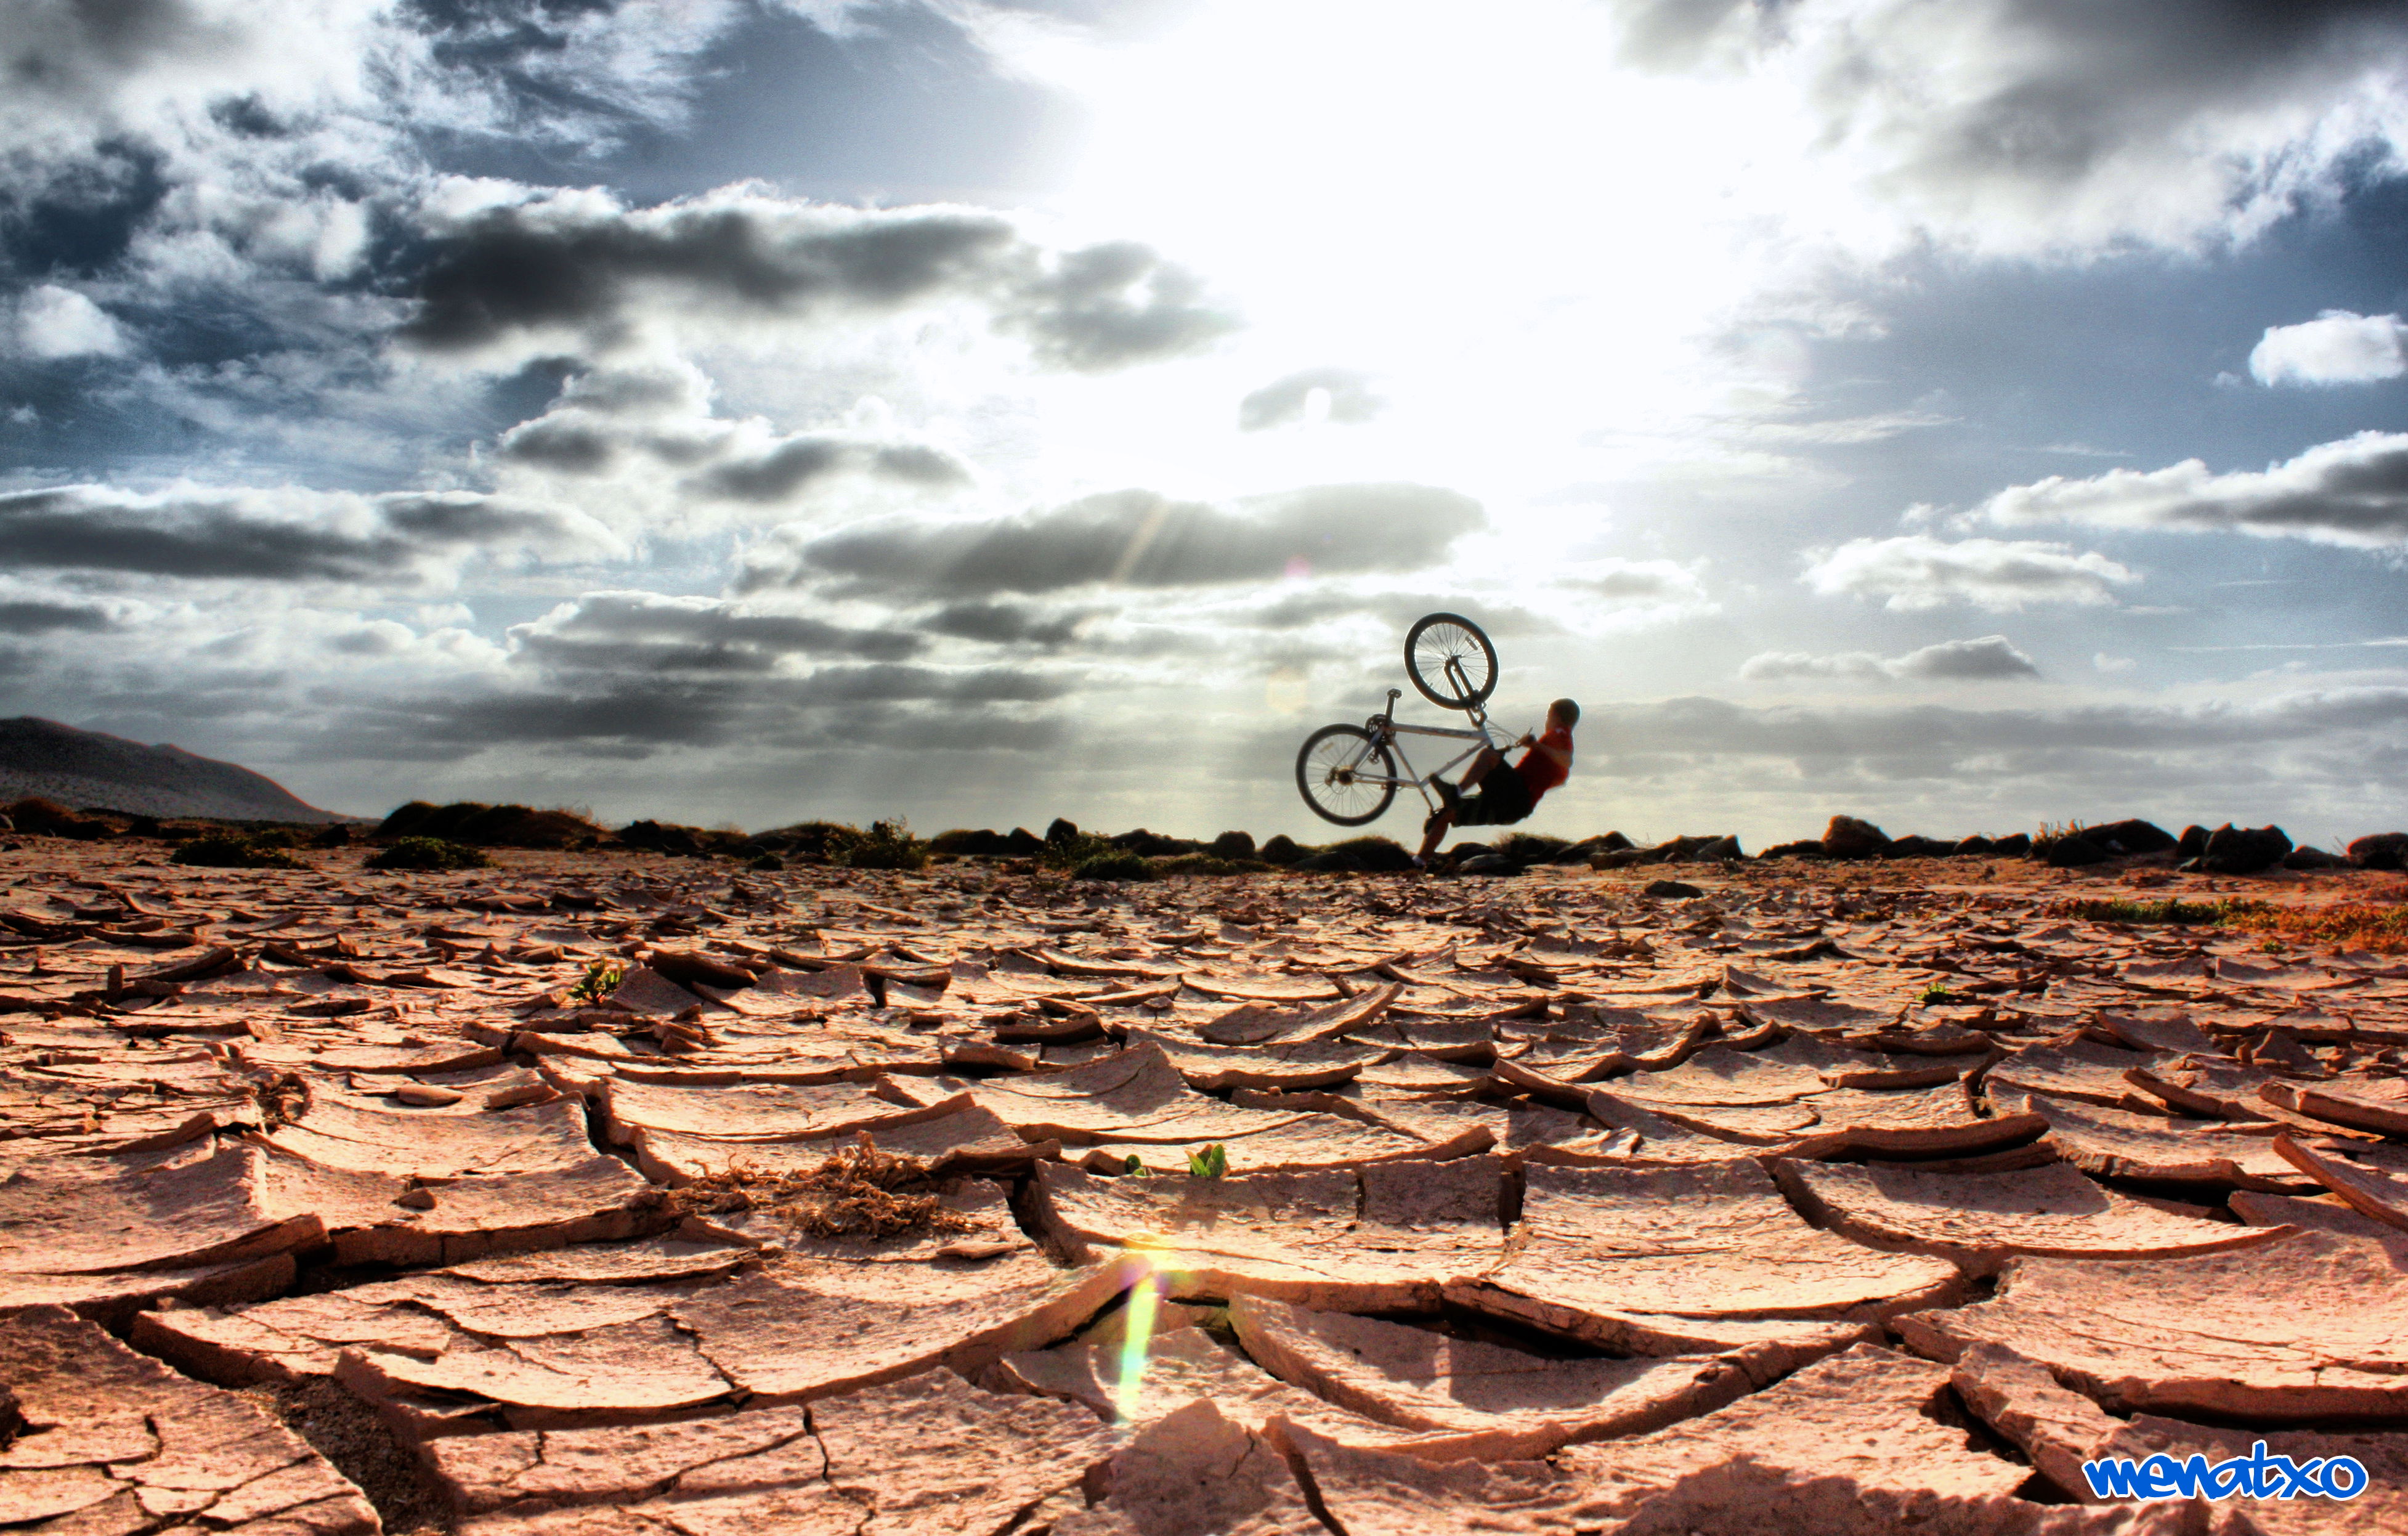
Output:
(1503, 800)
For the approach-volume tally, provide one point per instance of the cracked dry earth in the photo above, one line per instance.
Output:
(325, 1204)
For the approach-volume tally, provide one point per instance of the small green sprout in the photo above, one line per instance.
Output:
(600, 980)
(1135, 1164)
(1211, 1163)
(1936, 993)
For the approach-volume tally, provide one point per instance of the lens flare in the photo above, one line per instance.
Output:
(1136, 1344)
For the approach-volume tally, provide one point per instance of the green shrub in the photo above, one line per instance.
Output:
(887, 845)
(222, 852)
(428, 854)
(1205, 863)
(1116, 865)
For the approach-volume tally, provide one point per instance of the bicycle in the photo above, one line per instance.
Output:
(1348, 773)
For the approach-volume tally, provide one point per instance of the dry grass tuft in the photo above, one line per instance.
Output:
(2380, 925)
(858, 1192)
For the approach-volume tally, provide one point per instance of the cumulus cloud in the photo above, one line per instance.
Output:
(54, 322)
(2020, 123)
(1991, 658)
(284, 535)
(1343, 395)
(536, 268)
(2336, 347)
(2352, 493)
(1134, 538)
(1918, 572)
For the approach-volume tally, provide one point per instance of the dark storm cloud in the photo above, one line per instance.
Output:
(837, 709)
(728, 464)
(1007, 623)
(277, 536)
(2353, 493)
(639, 632)
(1283, 400)
(2020, 98)
(1139, 539)
(586, 267)
(36, 618)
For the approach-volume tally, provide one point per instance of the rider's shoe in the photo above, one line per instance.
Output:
(1420, 863)
(1452, 795)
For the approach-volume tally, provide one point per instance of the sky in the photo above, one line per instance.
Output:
(745, 411)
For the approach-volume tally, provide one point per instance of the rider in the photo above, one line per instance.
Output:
(1505, 797)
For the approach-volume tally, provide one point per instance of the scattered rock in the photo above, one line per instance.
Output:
(1851, 837)
(2244, 851)
(1671, 890)
(2073, 851)
(2383, 851)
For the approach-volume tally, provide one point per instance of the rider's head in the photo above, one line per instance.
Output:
(1563, 712)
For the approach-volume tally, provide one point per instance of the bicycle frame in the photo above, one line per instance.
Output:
(1386, 731)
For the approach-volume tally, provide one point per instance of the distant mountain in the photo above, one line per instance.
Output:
(86, 770)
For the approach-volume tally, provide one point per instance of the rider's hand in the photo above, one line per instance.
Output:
(1528, 740)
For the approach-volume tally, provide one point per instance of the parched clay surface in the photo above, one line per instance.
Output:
(101, 1439)
(1549, 1206)
(2303, 1327)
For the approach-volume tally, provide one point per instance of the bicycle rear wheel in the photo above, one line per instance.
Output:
(1450, 661)
(1345, 775)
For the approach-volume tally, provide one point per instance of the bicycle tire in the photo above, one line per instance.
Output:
(1437, 637)
(1344, 801)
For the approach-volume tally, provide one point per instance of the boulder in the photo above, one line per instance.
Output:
(1851, 837)
(1804, 848)
(1281, 849)
(2192, 842)
(1973, 846)
(1721, 849)
(1234, 845)
(1672, 890)
(2014, 845)
(1333, 861)
(2132, 837)
(2305, 857)
(2382, 851)
(1062, 829)
(2244, 851)
(1620, 858)
(2073, 851)
(1914, 845)
(1488, 864)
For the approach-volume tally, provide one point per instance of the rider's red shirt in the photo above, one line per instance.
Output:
(1540, 773)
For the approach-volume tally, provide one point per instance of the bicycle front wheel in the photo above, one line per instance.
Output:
(1450, 661)
(1345, 775)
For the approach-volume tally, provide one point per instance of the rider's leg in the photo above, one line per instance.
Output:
(1434, 831)
(1478, 769)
